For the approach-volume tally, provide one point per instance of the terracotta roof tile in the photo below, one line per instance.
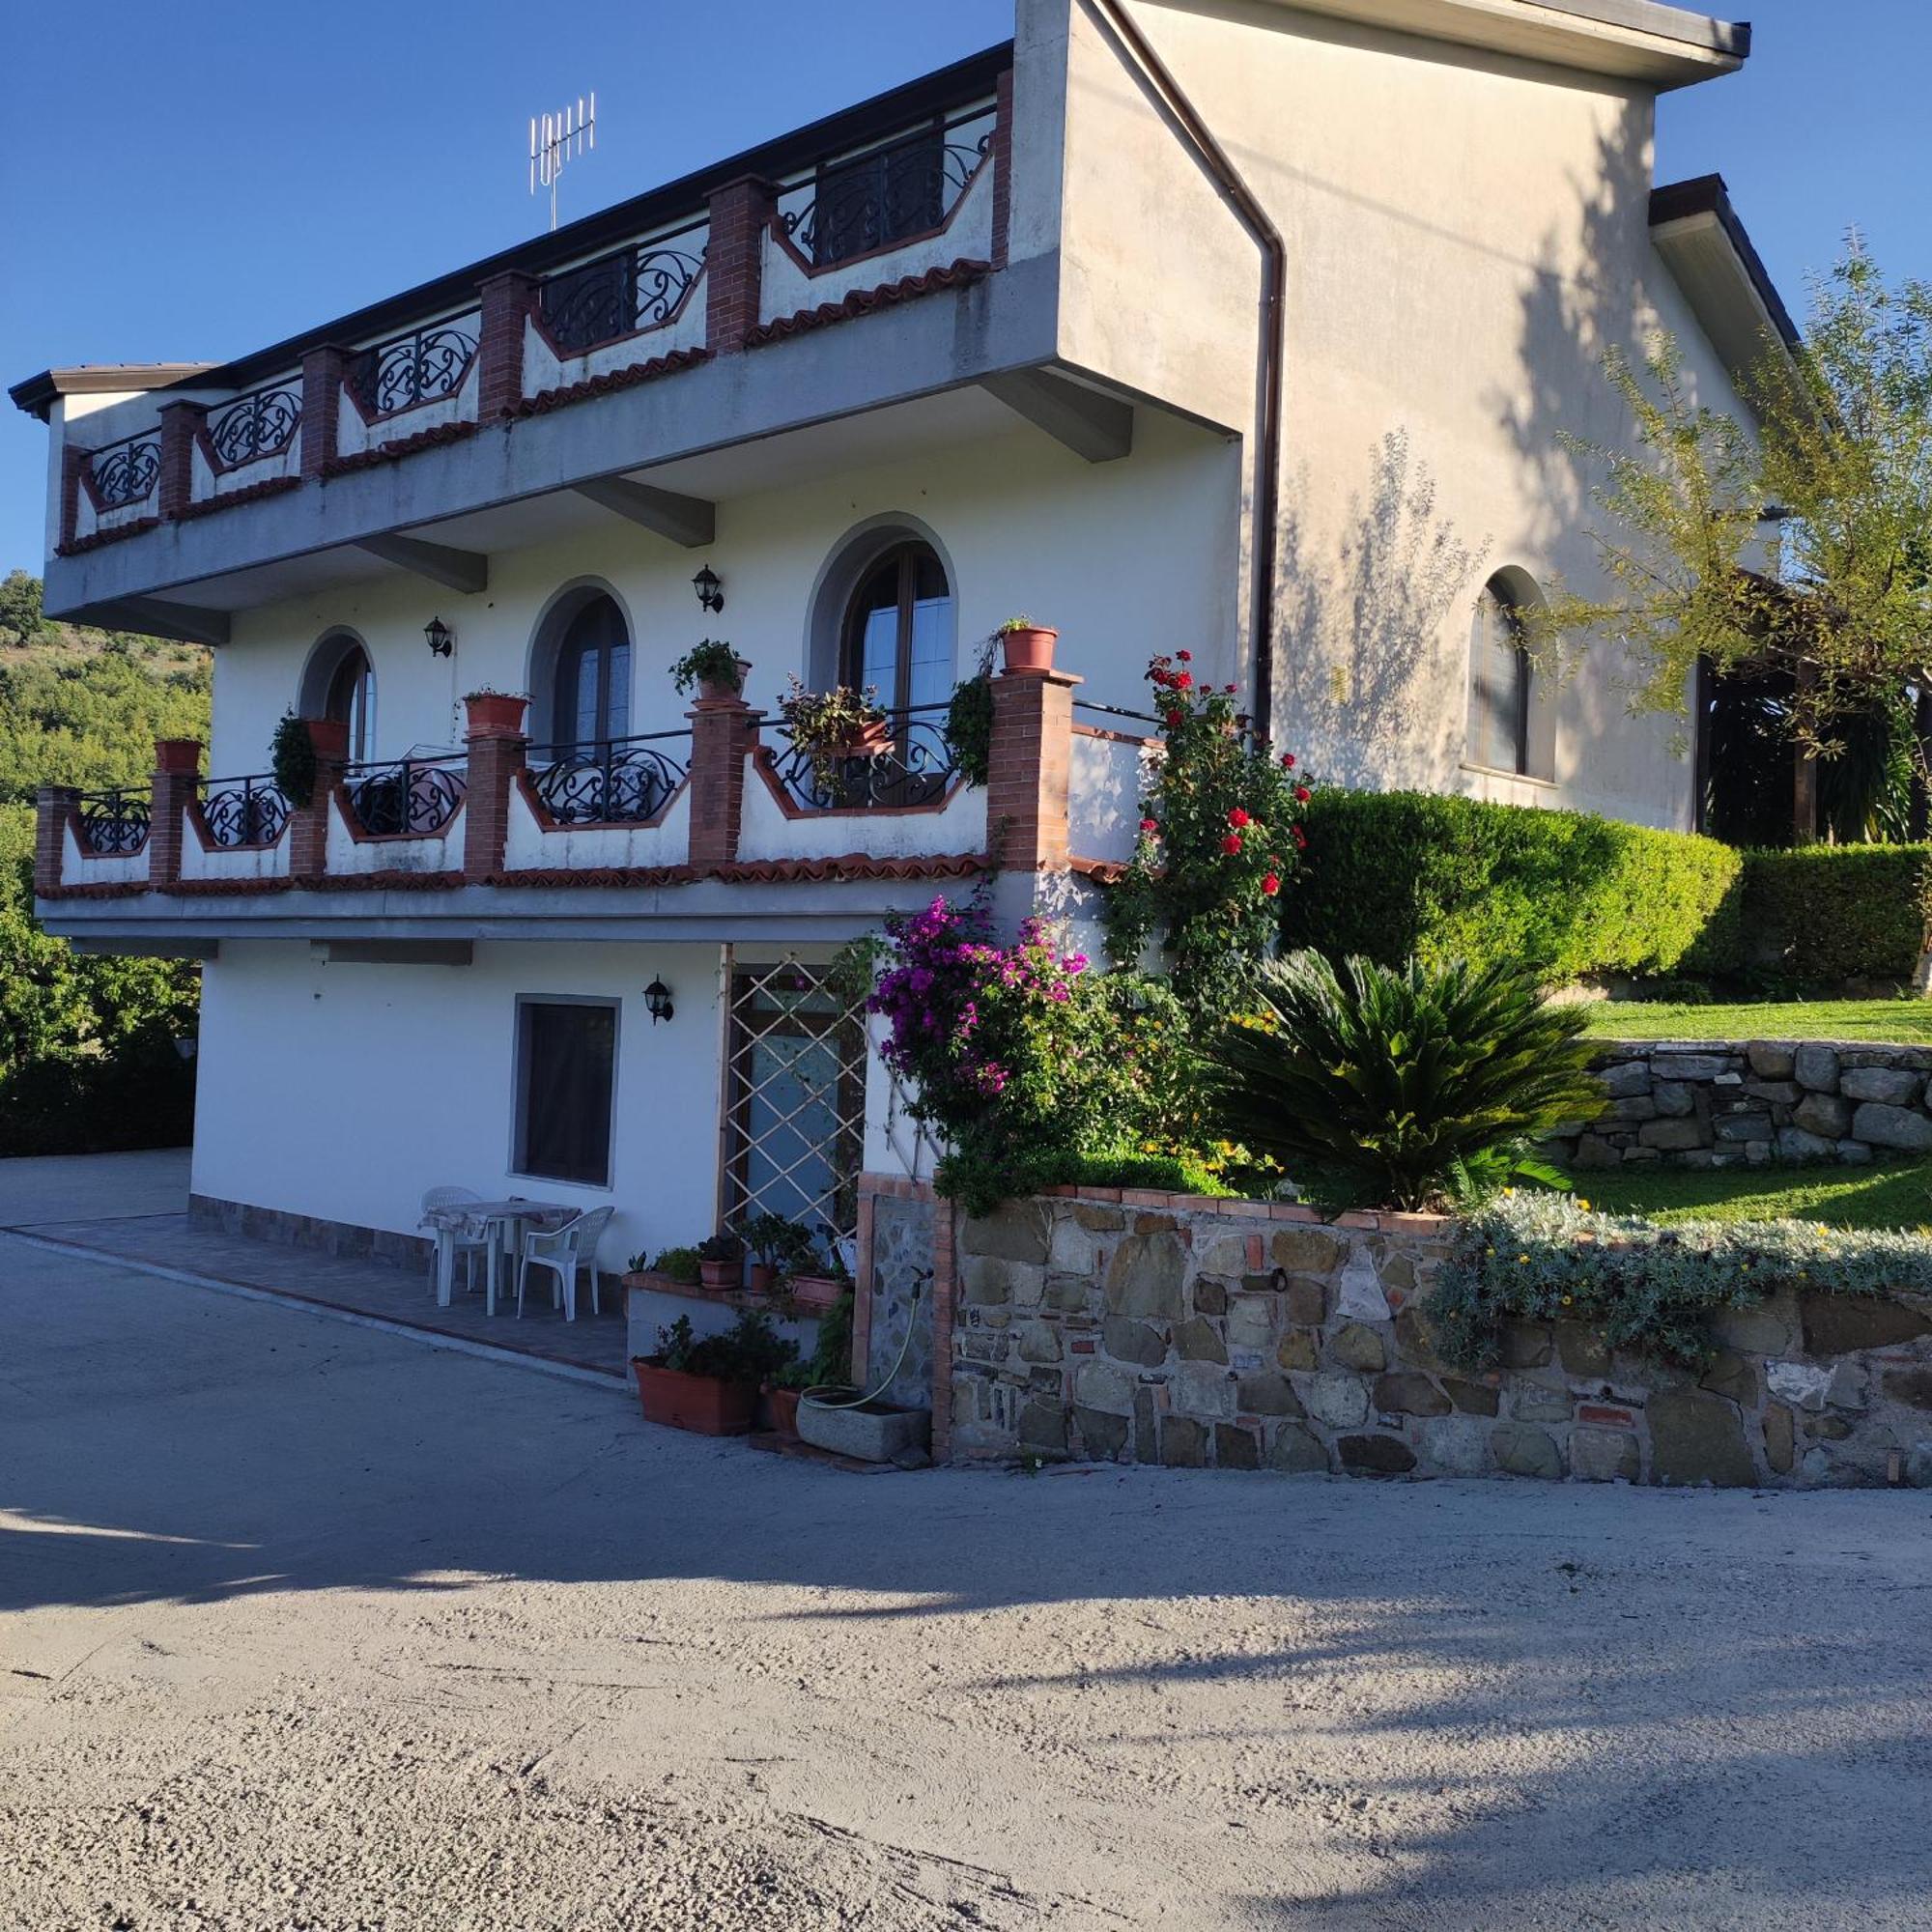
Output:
(864, 301)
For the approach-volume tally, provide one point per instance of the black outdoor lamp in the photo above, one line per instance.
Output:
(710, 590)
(657, 1001)
(442, 638)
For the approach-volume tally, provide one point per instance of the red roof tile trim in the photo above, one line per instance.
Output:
(270, 486)
(77, 546)
(614, 379)
(596, 876)
(854, 866)
(1102, 871)
(862, 302)
(403, 445)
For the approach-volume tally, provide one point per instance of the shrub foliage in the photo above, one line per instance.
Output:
(1822, 914)
(1396, 1086)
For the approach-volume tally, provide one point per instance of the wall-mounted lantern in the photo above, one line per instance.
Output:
(657, 1001)
(710, 590)
(442, 638)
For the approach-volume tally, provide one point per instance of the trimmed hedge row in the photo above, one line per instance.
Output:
(1393, 873)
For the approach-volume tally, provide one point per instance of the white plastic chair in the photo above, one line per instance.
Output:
(469, 1242)
(563, 1251)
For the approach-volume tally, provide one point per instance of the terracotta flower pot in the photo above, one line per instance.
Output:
(177, 754)
(716, 688)
(763, 1276)
(1028, 649)
(815, 1291)
(700, 1404)
(722, 1274)
(329, 736)
(494, 715)
(782, 1411)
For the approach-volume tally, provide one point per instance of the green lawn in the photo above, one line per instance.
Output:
(1894, 1195)
(1895, 1021)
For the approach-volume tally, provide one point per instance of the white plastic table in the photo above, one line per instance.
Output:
(497, 1219)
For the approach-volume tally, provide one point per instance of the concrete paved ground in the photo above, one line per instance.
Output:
(306, 1626)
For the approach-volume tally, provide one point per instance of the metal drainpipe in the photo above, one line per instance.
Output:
(1254, 217)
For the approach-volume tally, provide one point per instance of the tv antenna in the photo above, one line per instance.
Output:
(554, 139)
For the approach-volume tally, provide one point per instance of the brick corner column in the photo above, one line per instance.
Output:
(322, 376)
(945, 1279)
(177, 776)
(723, 733)
(509, 300)
(73, 460)
(497, 752)
(53, 810)
(1028, 769)
(308, 824)
(180, 424)
(734, 259)
(1003, 165)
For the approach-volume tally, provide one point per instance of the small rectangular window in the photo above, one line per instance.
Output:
(566, 1084)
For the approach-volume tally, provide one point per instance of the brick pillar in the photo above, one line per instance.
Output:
(1003, 165)
(308, 824)
(944, 1293)
(508, 301)
(498, 748)
(322, 373)
(53, 810)
(741, 211)
(1028, 769)
(73, 460)
(176, 773)
(723, 731)
(180, 423)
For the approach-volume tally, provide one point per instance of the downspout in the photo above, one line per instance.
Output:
(1254, 217)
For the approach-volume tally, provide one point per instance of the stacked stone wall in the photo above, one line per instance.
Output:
(1163, 1328)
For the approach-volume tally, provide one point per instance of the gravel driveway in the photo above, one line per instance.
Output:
(302, 1626)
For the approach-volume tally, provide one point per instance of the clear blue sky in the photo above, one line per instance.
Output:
(195, 180)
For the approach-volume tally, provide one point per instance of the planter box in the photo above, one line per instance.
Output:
(874, 1433)
(782, 1411)
(816, 1292)
(700, 1404)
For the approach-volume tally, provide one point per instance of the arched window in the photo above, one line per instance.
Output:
(898, 629)
(341, 684)
(591, 681)
(1503, 708)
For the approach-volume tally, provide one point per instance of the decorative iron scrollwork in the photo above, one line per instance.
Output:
(243, 811)
(618, 295)
(125, 473)
(893, 194)
(617, 781)
(113, 824)
(262, 423)
(415, 369)
(408, 796)
(916, 767)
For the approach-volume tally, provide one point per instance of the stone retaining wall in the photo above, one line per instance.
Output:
(1720, 1103)
(1166, 1329)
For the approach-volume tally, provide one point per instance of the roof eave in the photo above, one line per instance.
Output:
(38, 394)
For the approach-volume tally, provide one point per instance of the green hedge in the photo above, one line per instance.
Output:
(1393, 873)
(1822, 914)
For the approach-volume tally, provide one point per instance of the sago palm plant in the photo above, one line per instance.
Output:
(1399, 1088)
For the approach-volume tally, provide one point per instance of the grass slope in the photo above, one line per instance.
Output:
(1891, 1022)
(1894, 1195)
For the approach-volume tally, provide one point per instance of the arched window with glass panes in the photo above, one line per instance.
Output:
(1503, 700)
(898, 630)
(590, 680)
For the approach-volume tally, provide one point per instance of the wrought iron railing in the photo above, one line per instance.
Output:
(243, 811)
(640, 286)
(914, 764)
(262, 423)
(125, 473)
(895, 192)
(1099, 710)
(423, 366)
(613, 780)
(413, 796)
(113, 824)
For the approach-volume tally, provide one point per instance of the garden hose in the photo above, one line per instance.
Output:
(811, 1396)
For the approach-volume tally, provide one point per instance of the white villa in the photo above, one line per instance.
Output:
(1244, 326)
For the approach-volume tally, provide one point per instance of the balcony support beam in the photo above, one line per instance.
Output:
(393, 952)
(1099, 428)
(148, 949)
(465, 570)
(158, 618)
(690, 521)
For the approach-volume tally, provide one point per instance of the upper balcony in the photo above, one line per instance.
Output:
(424, 433)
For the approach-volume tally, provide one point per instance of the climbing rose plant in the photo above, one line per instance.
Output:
(1220, 838)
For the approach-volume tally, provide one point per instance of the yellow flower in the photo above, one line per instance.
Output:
(1584, 1205)
(1568, 1299)
(1523, 1260)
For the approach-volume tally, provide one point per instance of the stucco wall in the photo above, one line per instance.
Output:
(1467, 235)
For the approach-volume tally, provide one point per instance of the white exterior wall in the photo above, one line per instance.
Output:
(1466, 234)
(1130, 557)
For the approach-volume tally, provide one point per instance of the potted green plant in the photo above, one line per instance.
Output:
(834, 726)
(721, 1260)
(1025, 645)
(710, 1385)
(712, 668)
(680, 1265)
(782, 1393)
(491, 713)
(818, 1283)
(778, 1247)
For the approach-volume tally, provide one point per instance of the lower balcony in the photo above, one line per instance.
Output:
(723, 826)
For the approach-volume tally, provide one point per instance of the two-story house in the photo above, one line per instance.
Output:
(1245, 326)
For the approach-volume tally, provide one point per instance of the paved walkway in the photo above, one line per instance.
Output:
(304, 1624)
(134, 1206)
